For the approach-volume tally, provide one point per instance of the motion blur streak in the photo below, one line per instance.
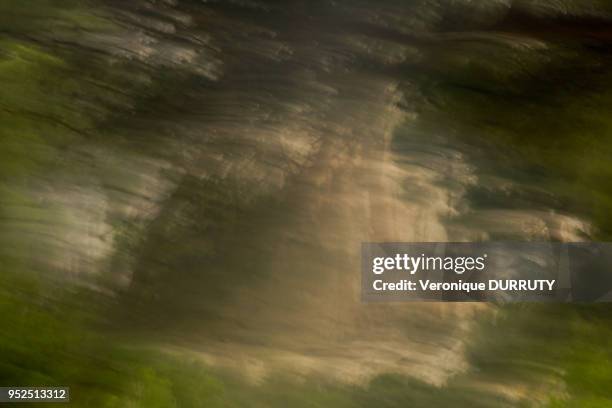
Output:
(185, 185)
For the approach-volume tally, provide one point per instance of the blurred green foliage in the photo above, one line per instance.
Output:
(537, 115)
